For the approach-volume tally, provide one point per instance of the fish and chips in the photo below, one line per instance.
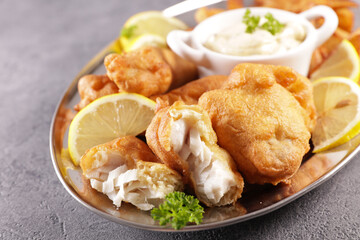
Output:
(213, 135)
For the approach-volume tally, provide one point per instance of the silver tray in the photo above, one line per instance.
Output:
(256, 200)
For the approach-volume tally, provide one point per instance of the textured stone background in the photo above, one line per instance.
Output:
(43, 45)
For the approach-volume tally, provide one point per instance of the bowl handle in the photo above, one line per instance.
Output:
(329, 26)
(179, 41)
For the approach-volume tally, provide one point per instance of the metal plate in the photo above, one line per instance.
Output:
(256, 200)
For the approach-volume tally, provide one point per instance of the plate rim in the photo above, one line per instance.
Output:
(88, 68)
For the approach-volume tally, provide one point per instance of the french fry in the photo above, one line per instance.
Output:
(324, 51)
(336, 3)
(317, 22)
(302, 5)
(202, 13)
(346, 18)
(354, 38)
(296, 6)
(316, 60)
(342, 33)
(233, 4)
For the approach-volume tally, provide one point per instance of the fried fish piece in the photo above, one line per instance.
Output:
(91, 87)
(149, 70)
(182, 137)
(190, 92)
(259, 123)
(126, 170)
(299, 86)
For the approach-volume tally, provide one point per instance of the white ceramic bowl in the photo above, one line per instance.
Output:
(189, 44)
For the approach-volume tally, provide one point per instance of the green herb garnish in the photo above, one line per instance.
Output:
(251, 21)
(128, 32)
(272, 25)
(178, 209)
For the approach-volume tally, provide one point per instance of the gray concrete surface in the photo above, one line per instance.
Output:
(43, 45)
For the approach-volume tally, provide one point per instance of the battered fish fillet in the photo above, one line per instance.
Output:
(182, 137)
(260, 124)
(190, 92)
(126, 170)
(299, 86)
(91, 87)
(149, 70)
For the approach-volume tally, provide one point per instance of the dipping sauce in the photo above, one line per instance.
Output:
(234, 40)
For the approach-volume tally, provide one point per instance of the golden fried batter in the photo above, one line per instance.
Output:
(149, 70)
(182, 137)
(190, 92)
(299, 86)
(126, 170)
(91, 87)
(259, 123)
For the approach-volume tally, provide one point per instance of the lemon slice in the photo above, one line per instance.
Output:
(149, 22)
(116, 47)
(344, 62)
(145, 40)
(107, 118)
(337, 101)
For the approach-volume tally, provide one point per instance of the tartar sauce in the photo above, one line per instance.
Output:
(235, 41)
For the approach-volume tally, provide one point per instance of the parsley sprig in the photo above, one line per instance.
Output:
(178, 209)
(251, 21)
(272, 25)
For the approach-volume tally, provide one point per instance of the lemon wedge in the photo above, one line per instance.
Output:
(145, 40)
(337, 101)
(149, 22)
(107, 118)
(344, 62)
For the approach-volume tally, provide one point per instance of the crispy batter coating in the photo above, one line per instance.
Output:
(183, 138)
(259, 123)
(129, 149)
(149, 70)
(190, 92)
(299, 86)
(91, 87)
(126, 170)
